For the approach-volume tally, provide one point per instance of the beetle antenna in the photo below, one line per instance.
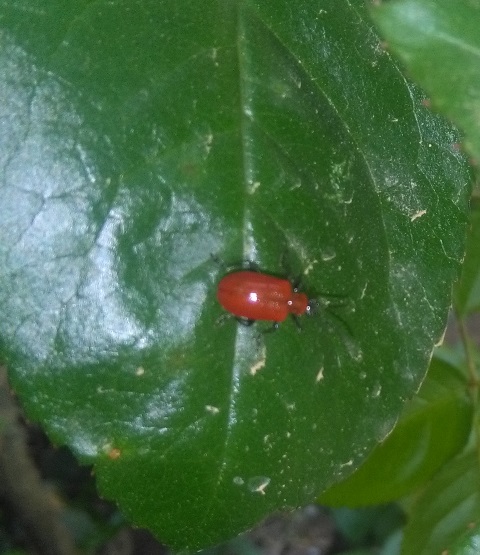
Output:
(315, 304)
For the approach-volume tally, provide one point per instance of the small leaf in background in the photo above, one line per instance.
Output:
(447, 509)
(372, 527)
(433, 428)
(140, 137)
(469, 542)
(439, 42)
(467, 291)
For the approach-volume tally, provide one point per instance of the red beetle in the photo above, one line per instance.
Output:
(254, 296)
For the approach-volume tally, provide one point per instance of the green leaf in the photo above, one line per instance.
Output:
(446, 510)
(469, 542)
(439, 42)
(140, 137)
(371, 526)
(467, 291)
(433, 428)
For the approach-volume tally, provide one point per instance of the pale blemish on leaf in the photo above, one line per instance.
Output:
(310, 267)
(348, 463)
(208, 143)
(258, 484)
(114, 454)
(253, 186)
(260, 363)
(418, 214)
(328, 254)
(377, 390)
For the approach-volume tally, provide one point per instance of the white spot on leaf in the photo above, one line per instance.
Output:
(418, 214)
(260, 363)
(258, 484)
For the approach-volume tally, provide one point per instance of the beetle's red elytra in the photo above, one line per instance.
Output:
(257, 296)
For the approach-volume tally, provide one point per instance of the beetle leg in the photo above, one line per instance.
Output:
(272, 328)
(288, 271)
(245, 264)
(296, 319)
(336, 317)
(244, 321)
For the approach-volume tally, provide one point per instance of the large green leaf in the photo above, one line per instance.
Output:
(140, 137)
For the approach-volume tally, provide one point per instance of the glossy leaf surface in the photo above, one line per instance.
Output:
(138, 138)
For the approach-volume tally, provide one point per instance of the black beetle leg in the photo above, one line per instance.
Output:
(227, 268)
(244, 321)
(272, 328)
(296, 319)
